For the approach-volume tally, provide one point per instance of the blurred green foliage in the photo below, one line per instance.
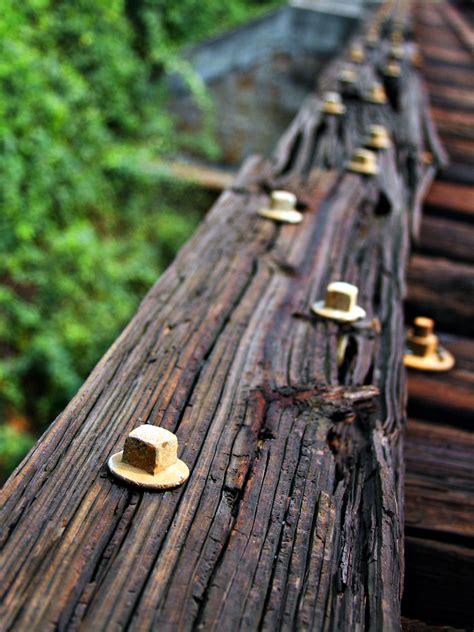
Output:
(85, 229)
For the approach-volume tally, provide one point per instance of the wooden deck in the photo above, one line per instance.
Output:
(293, 515)
(439, 491)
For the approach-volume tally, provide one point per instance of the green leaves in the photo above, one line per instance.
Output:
(86, 226)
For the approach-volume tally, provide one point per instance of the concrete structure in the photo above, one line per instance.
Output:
(258, 73)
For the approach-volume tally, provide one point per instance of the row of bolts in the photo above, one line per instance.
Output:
(149, 458)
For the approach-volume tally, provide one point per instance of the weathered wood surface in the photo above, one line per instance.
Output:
(447, 238)
(439, 488)
(443, 289)
(450, 200)
(449, 69)
(414, 625)
(446, 397)
(439, 587)
(440, 440)
(293, 515)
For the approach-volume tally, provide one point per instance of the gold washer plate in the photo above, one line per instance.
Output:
(336, 314)
(441, 360)
(173, 476)
(368, 170)
(285, 217)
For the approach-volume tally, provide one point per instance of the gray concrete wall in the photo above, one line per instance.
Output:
(258, 74)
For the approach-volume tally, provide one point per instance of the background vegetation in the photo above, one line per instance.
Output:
(86, 227)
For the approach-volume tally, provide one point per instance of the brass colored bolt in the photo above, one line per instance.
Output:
(376, 94)
(397, 52)
(424, 351)
(333, 104)
(363, 161)
(372, 38)
(282, 208)
(150, 459)
(347, 76)
(392, 69)
(378, 138)
(396, 37)
(340, 303)
(356, 54)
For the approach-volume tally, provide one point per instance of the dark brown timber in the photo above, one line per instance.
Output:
(440, 439)
(293, 514)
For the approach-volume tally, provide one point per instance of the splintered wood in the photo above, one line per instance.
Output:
(292, 517)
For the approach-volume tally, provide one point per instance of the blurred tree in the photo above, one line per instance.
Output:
(85, 230)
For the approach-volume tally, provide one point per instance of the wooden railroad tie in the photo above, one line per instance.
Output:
(292, 517)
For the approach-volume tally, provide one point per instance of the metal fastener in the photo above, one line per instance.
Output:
(397, 52)
(372, 38)
(424, 351)
(396, 37)
(356, 54)
(282, 208)
(378, 138)
(340, 303)
(392, 69)
(376, 94)
(333, 104)
(150, 459)
(347, 76)
(363, 161)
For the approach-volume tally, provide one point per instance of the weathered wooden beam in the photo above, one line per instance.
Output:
(439, 582)
(414, 625)
(454, 122)
(292, 517)
(461, 27)
(208, 356)
(439, 483)
(447, 238)
(460, 149)
(446, 397)
(441, 288)
(434, 72)
(450, 200)
(439, 442)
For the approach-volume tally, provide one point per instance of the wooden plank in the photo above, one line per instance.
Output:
(441, 289)
(445, 55)
(291, 518)
(439, 483)
(458, 96)
(455, 77)
(440, 442)
(438, 34)
(447, 238)
(212, 178)
(460, 150)
(453, 122)
(438, 586)
(413, 625)
(447, 195)
(460, 26)
(446, 397)
(218, 322)
(458, 173)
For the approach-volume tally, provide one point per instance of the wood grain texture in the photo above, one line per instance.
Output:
(439, 593)
(451, 199)
(447, 238)
(442, 289)
(439, 488)
(440, 441)
(293, 514)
